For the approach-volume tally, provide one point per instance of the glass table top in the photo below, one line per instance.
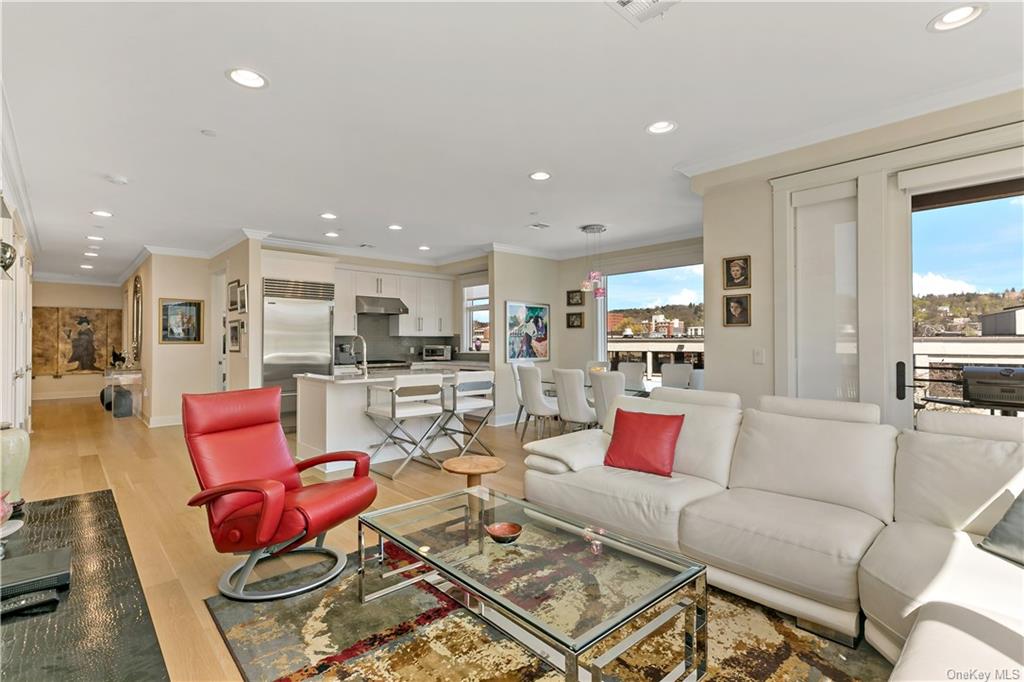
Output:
(573, 581)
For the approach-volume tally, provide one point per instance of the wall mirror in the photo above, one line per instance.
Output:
(137, 313)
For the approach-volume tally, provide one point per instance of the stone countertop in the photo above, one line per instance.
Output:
(379, 376)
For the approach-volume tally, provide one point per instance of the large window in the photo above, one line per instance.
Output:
(656, 317)
(476, 333)
(968, 284)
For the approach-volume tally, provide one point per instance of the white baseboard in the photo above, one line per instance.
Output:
(504, 419)
(67, 394)
(169, 420)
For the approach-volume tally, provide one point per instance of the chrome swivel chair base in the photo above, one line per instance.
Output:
(232, 583)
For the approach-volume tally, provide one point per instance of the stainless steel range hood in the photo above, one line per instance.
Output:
(380, 305)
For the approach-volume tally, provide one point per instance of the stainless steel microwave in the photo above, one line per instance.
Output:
(437, 352)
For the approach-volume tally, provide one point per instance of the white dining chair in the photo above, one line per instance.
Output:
(519, 389)
(607, 387)
(676, 375)
(697, 380)
(573, 409)
(634, 372)
(538, 406)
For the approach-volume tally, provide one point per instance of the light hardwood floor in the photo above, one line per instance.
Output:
(77, 447)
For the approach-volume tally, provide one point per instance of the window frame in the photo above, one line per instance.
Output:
(467, 318)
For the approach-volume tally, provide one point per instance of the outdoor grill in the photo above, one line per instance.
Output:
(997, 388)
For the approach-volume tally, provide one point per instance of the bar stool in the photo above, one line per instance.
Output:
(472, 392)
(406, 397)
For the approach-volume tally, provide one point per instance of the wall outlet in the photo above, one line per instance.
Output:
(759, 356)
(412, 350)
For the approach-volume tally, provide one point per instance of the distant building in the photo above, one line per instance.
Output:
(695, 332)
(615, 319)
(1009, 322)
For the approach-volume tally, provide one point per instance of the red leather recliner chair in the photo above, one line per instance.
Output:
(255, 500)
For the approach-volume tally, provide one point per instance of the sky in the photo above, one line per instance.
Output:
(970, 248)
(656, 287)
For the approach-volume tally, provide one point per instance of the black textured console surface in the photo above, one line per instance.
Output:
(101, 630)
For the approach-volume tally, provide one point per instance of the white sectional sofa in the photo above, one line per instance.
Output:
(817, 510)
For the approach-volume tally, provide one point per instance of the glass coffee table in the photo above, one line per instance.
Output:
(592, 603)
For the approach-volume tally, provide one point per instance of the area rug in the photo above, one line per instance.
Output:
(419, 634)
(101, 630)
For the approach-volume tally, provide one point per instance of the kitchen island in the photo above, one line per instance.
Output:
(332, 416)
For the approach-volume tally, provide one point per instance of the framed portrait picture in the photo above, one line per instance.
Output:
(574, 320)
(574, 298)
(527, 328)
(736, 310)
(243, 298)
(233, 287)
(181, 320)
(235, 336)
(736, 272)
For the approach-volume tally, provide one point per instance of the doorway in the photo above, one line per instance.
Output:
(219, 322)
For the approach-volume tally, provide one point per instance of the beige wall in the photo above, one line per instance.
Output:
(61, 295)
(524, 279)
(149, 311)
(241, 262)
(738, 221)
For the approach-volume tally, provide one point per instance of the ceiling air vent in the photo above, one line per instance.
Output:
(637, 12)
(538, 226)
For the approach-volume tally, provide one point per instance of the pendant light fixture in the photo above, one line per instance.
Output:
(594, 279)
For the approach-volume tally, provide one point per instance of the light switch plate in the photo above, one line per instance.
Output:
(759, 356)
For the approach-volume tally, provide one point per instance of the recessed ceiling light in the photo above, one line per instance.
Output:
(424, 248)
(85, 266)
(247, 78)
(540, 175)
(94, 246)
(661, 127)
(116, 179)
(103, 214)
(328, 216)
(394, 227)
(331, 234)
(91, 254)
(95, 238)
(955, 18)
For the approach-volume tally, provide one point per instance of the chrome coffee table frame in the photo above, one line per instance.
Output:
(518, 624)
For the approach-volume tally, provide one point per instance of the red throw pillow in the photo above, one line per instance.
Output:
(642, 441)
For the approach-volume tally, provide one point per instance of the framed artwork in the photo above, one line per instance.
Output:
(235, 336)
(736, 310)
(181, 320)
(243, 298)
(233, 287)
(574, 298)
(574, 320)
(527, 327)
(736, 272)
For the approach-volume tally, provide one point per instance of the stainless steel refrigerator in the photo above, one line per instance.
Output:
(298, 337)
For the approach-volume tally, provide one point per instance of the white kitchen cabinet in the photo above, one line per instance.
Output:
(345, 320)
(445, 307)
(408, 291)
(430, 307)
(376, 284)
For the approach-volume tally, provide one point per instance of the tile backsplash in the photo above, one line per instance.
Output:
(382, 346)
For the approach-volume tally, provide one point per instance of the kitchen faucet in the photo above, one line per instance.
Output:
(366, 367)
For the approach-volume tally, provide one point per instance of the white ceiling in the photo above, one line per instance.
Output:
(433, 115)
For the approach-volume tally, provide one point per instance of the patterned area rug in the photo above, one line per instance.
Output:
(419, 634)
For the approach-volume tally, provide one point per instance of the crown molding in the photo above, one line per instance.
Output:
(137, 262)
(60, 278)
(171, 251)
(14, 187)
(343, 251)
(258, 235)
(499, 247)
(920, 106)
